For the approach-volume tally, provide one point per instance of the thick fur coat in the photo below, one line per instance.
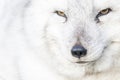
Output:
(36, 38)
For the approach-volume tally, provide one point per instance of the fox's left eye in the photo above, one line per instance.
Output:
(103, 12)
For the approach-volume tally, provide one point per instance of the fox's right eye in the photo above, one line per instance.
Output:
(62, 14)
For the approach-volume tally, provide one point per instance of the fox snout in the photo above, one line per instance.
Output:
(78, 51)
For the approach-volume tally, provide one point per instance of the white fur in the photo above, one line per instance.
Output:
(36, 43)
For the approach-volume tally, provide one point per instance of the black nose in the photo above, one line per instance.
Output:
(78, 51)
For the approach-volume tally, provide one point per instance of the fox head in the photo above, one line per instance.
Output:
(75, 33)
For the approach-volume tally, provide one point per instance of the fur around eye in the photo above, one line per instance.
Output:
(102, 13)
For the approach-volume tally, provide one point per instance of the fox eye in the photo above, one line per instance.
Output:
(103, 12)
(60, 13)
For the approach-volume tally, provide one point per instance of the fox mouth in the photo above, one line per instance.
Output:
(95, 60)
(84, 62)
(103, 51)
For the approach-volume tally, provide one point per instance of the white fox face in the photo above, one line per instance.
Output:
(76, 32)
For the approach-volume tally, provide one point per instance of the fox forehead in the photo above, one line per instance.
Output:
(85, 6)
(64, 4)
(73, 8)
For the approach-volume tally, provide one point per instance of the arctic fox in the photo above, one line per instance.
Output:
(60, 40)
